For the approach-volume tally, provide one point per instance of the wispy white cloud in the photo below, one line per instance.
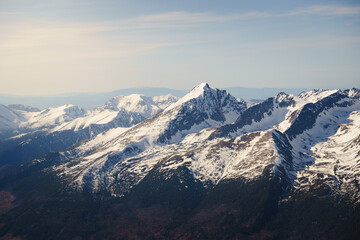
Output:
(183, 19)
(326, 10)
(186, 19)
(86, 39)
(199, 17)
(190, 19)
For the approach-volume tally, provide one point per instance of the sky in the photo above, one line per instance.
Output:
(54, 47)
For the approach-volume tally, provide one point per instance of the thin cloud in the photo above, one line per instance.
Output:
(326, 10)
(86, 38)
(181, 19)
(41, 34)
(188, 19)
(200, 17)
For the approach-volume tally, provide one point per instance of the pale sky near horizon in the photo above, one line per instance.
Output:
(52, 47)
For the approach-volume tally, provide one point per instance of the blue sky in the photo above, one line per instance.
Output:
(51, 47)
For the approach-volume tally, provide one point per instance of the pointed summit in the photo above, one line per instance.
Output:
(199, 89)
(196, 92)
(201, 108)
(202, 86)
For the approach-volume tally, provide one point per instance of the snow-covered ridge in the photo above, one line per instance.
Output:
(24, 130)
(120, 111)
(179, 136)
(53, 116)
(278, 112)
(8, 118)
(165, 100)
(124, 110)
(316, 94)
(215, 137)
(190, 116)
(202, 108)
(27, 118)
(353, 92)
(133, 103)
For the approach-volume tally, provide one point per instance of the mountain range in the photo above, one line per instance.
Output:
(205, 166)
(26, 132)
(94, 100)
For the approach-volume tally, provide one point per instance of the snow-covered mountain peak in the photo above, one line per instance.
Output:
(353, 92)
(119, 111)
(133, 103)
(17, 118)
(284, 99)
(203, 93)
(316, 94)
(53, 116)
(281, 96)
(215, 137)
(69, 110)
(199, 90)
(126, 102)
(165, 100)
(201, 86)
(65, 107)
(204, 107)
(194, 93)
(280, 112)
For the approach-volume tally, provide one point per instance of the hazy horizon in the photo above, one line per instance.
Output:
(91, 100)
(146, 87)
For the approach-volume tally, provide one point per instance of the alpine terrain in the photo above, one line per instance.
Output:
(205, 166)
(26, 133)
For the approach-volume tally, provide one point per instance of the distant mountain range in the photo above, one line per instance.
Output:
(26, 132)
(93, 100)
(207, 165)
